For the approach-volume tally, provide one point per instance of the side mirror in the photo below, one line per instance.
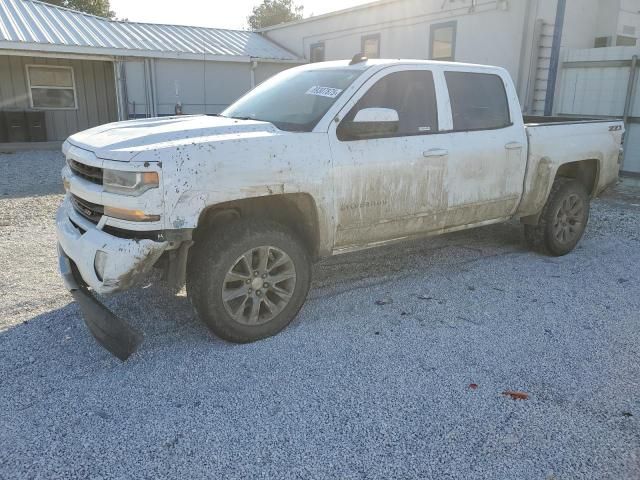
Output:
(371, 123)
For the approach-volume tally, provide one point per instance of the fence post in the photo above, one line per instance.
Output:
(628, 103)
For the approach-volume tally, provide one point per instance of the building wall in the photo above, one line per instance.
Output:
(492, 33)
(200, 86)
(95, 92)
(498, 32)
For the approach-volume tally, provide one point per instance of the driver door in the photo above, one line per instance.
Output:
(390, 186)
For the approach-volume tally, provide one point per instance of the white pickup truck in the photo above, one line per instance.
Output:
(319, 160)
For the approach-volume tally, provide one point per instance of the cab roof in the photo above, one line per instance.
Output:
(379, 62)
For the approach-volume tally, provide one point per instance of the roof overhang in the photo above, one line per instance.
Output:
(107, 54)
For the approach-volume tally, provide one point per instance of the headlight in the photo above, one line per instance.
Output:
(129, 183)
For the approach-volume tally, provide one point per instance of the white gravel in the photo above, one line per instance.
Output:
(352, 389)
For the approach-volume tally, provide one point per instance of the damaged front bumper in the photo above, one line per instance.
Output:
(110, 331)
(123, 262)
(106, 263)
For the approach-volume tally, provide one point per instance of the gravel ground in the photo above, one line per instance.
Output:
(375, 379)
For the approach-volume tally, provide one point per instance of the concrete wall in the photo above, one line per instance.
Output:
(95, 91)
(200, 86)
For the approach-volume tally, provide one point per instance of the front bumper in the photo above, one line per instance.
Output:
(80, 240)
(110, 331)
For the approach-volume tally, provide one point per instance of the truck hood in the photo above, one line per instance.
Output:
(122, 141)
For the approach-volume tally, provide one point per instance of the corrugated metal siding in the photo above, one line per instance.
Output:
(32, 22)
(95, 90)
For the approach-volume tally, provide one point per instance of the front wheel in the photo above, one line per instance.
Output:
(248, 280)
(563, 219)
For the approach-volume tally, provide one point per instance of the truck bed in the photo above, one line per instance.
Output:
(556, 141)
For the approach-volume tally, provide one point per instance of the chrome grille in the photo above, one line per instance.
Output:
(91, 211)
(92, 174)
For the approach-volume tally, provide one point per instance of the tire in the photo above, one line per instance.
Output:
(225, 292)
(566, 210)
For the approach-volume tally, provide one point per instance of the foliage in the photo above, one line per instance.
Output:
(274, 12)
(100, 8)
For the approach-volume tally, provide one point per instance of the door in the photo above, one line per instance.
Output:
(390, 186)
(487, 162)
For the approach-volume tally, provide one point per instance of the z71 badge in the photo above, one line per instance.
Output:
(615, 128)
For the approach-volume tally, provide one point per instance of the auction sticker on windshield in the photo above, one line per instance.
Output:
(324, 92)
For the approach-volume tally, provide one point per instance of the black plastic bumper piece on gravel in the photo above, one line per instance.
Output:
(110, 331)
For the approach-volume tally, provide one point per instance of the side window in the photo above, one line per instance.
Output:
(443, 41)
(412, 94)
(51, 88)
(316, 53)
(371, 46)
(478, 101)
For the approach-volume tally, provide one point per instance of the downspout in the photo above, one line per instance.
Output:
(555, 57)
(154, 86)
(150, 87)
(121, 89)
(254, 65)
(147, 89)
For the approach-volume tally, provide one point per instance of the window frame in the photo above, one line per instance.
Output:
(483, 129)
(317, 45)
(432, 31)
(59, 67)
(438, 117)
(374, 36)
(621, 39)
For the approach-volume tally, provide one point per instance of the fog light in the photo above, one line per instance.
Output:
(99, 264)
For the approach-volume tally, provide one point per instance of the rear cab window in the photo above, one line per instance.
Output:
(478, 101)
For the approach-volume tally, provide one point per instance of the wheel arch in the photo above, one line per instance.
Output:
(298, 211)
(586, 171)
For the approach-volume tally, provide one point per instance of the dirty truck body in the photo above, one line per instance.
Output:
(321, 159)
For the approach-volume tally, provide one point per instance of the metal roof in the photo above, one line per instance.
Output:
(33, 25)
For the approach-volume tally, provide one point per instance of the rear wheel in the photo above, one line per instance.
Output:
(562, 221)
(248, 280)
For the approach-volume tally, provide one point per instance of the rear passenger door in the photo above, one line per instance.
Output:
(391, 186)
(487, 163)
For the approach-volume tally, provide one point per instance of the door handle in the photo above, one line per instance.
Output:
(513, 146)
(435, 152)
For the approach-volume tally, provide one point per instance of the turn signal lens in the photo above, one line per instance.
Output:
(131, 215)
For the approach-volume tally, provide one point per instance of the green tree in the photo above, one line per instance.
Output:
(100, 8)
(274, 12)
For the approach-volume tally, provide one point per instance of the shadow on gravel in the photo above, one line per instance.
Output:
(170, 325)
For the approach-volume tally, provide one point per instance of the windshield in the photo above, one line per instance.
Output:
(295, 100)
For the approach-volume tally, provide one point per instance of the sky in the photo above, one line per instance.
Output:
(211, 13)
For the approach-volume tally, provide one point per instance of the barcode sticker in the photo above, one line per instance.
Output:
(324, 92)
